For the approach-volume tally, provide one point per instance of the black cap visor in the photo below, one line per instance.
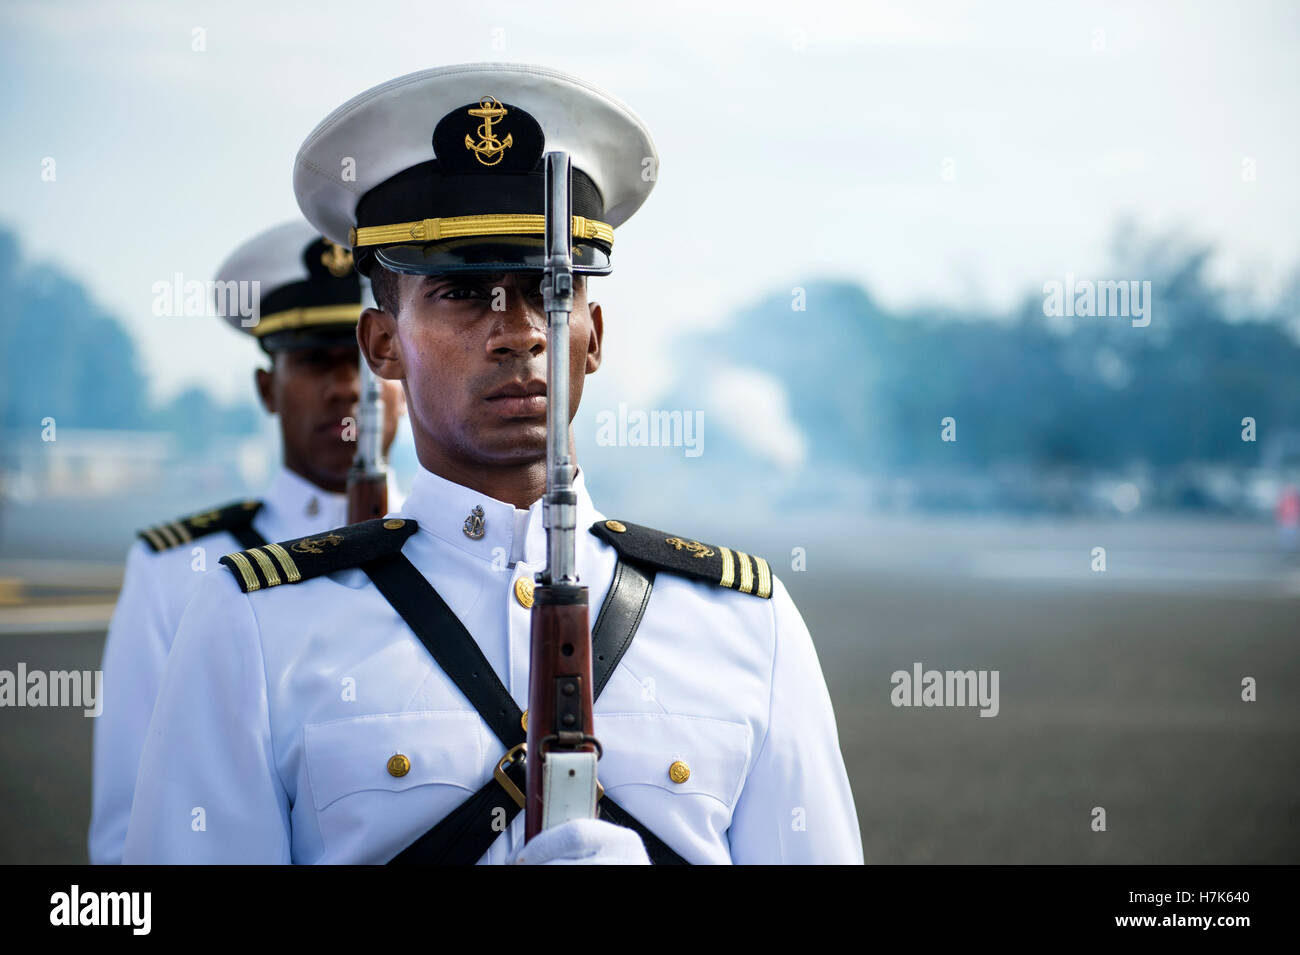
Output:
(494, 254)
(317, 336)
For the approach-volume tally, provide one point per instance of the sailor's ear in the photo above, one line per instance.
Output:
(377, 339)
(596, 338)
(264, 379)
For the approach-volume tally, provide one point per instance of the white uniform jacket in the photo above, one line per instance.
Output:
(281, 708)
(155, 589)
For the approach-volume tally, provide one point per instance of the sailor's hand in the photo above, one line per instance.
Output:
(583, 842)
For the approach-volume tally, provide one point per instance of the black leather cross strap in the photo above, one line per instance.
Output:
(247, 537)
(619, 616)
(467, 832)
(448, 642)
(464, 834)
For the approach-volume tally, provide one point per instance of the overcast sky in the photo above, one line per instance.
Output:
(954, 152)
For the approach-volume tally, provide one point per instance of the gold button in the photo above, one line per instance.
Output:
(524, 592)
(399, 765)
(679, 772)
(394, 525)
(618, 527)
(523, 721)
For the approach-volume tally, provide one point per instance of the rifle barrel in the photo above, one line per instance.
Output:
(559, 509)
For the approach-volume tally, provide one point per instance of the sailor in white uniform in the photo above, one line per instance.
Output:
(358, 696)
(306, 325)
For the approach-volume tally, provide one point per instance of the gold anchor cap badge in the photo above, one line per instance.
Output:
(489, 150)
(337, 259)
(474, 523)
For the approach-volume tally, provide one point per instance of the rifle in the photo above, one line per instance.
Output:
(368, 479)
(562, 752)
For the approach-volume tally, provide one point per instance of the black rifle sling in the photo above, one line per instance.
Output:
(247, 537)
(468, 831)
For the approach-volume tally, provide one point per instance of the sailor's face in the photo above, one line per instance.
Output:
(316, 393)
(472, 352)
(313, 390)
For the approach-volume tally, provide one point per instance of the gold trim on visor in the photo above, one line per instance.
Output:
(307, 317)
(456, 227)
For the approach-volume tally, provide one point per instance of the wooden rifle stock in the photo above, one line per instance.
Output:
(368, 479)
(367, 497)
(559, 687)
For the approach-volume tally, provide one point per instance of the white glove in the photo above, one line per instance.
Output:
(583, 842)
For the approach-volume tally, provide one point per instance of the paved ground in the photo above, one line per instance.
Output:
(1123, 700)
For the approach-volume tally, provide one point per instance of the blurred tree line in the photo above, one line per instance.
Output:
(870, 386)
(64, 357)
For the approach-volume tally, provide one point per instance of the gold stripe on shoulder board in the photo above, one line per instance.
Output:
(268, 569)
(181, 531)
(151, 535)
(746, 573)
(246, 571)
(291, 572)
(728, 567)
(169, 538)
(764, 578)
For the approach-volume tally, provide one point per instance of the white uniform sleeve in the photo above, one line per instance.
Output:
(209, 790)
(135, 653)
(795, 806)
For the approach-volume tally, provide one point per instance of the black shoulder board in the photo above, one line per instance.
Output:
(162, 537)
(340, 549)
(681, 555)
